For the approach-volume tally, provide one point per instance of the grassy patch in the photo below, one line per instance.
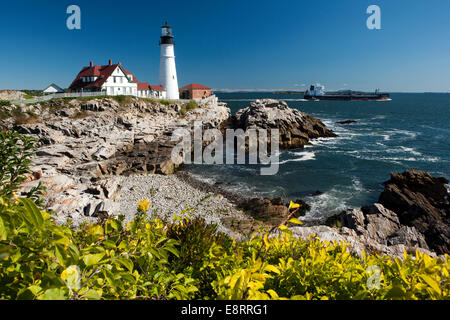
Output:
(165, 102)
(4, 103)
(80, 115)
(191, 105)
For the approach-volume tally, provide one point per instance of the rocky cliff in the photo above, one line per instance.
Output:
(84, 144)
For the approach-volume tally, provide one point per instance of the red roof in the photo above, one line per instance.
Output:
(142, 86)
(102, 72)
(195, 86)
(157, 88)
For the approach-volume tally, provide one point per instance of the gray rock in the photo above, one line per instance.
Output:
(296, 128)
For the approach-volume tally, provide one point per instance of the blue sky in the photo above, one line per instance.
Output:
(232, 44)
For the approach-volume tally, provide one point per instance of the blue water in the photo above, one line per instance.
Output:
(411, 131)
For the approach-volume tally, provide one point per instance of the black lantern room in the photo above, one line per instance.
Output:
(166, 35)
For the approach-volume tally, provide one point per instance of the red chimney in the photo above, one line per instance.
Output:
(91, 64)
(110, 62)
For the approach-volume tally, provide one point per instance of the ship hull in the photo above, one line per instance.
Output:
(379, 97)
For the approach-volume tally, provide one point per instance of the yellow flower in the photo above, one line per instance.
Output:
(5, 204)
(147, 226)
(144, 205)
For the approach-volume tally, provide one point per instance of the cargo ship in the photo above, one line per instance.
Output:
(317, 92)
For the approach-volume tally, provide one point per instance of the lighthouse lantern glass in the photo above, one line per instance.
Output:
(166, 31)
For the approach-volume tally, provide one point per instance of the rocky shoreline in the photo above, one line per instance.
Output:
(102, 156)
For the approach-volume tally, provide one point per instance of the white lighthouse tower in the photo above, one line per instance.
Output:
(167, 70)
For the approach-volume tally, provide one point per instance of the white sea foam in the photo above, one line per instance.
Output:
(201, 178)
(410, 150)
(301, 156)
(325, 204)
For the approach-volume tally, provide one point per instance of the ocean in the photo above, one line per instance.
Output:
(411, 131)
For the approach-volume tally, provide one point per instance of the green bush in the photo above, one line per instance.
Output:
(5, 103)
(42, 260)
(165, 102)
(15, 158)
(191, 105)
(196, 238)
(186, 259)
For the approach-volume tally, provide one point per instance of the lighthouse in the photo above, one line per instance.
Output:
(167, 70)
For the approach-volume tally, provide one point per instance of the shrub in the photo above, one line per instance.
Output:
(190, 105)
(42, 260)
(122, 100)
(145, 259)
(5, 103)
(15, 153)
(165, 102)
(199, 243)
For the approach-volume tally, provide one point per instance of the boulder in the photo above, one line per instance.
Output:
(376, 224)
(270, 210)
(421, 201)
(296, 128)
(346, 122)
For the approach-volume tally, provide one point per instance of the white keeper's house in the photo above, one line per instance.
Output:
(113, 79)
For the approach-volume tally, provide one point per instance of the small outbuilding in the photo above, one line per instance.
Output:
(158, 92)
(53, 88)
(195, 91)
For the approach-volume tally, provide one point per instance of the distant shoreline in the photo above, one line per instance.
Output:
(289, 92)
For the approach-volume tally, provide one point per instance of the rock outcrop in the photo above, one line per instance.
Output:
(296, 128)
(346, 122)
(421, 201)
(413, 211)
(82, 143)
(268, 210)
(377, 224)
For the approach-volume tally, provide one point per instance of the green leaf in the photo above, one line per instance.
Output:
(431, 282)
(272, 268)
(60, 255)
(126, 262)
(32, 214)
(53, 294)
(3, 232)
(92, 259)
(173, 251)
(92, 295)
(273, 294)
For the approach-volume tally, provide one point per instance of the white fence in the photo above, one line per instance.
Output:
(204, 101)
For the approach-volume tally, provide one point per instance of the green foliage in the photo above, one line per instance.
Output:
(42, 260)
(122, 100)
(165, 102)
(199, 243)
(186, 107)
(191, 105)
(15, 158)
(5, 103)
(188, 259)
